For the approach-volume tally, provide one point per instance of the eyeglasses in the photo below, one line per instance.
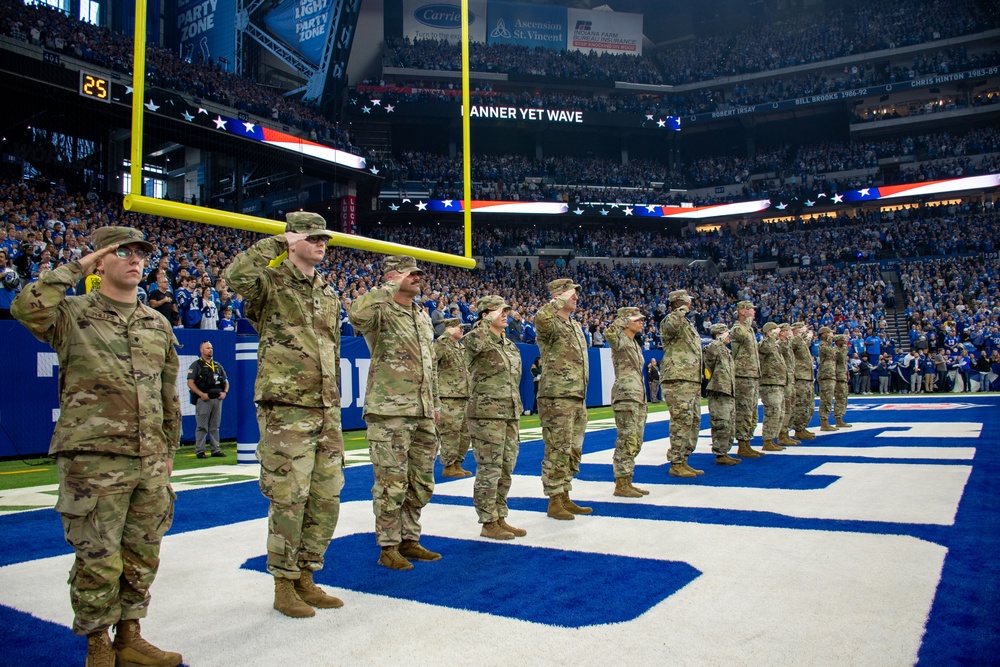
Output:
(126, 253)
(316, 238)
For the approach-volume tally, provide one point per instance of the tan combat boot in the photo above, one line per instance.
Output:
(134, 651)
(636, 488)
(391, 559)
(99, 651)
(681, 470)
(744, 451)
(786, 441)
(412, 550)
(694, 470)
(313, 595)
(518, 532)
(556, 509)
(825, 425)
(804, 434)
(726, 460)
(572, 507)
(287, 601)
(455, 470)
(493, 531)
(772, 446)
(623, 490)
(842, 424)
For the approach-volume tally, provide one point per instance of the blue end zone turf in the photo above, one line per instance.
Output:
(571, 589)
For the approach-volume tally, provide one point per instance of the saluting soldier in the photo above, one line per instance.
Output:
(628, 397)
(803, 410)
(297, 391)
(720, 389)
(827, 377)
(843, 377)
(562, 396)
(453, 388)
(401, 409)
(773, 376)
(680, 381)
(494, 415)
(114, 443)
(788, 404)
(746, 362)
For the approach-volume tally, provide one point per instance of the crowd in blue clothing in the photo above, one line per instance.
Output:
(952, 304)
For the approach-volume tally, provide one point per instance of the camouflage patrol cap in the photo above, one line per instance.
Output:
(450, 322)
(105, 236)
(490, 303)
(799, 325)
(785, 326)
(825, 330)
(769, 327)
(304, 222)
(400, 263)
(745, 305)
(631, 313)
(718, 328)
(840, 338)
(679, 295)
(561, 285)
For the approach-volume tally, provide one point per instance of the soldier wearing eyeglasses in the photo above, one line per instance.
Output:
(297, 391)
(119, 426)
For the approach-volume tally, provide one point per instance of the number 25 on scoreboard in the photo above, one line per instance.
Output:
(96, 87)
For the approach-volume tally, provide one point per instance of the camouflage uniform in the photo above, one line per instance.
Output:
(680, 382)
(628, 395)
(746, 364)
(297, 391)
(494, 413)
(721, 387)
(773, 376)
(562, 392)
(119, 425)
(827, 378)
(453, 387)
(788, 404)
(400, 402)
(803, 383)
(842, 379)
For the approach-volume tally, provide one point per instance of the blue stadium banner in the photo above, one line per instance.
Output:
(442, 19)
(303, 25)
(526, 25)
(203, 31)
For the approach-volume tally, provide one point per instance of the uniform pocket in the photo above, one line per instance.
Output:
(274, 481)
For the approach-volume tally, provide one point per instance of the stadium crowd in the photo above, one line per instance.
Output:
(952, 303)
(55, 31)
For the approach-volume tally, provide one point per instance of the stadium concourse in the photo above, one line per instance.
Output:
(869, 546)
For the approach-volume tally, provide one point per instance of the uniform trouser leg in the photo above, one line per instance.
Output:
(564, 423)
(684, 401)
(840, 399)
(773, 397)
(202, 411)
(115, 511)
(788, 406)
(803, 404)
(453, 431)
(496, 443)
(630, 418)
(402, 452)
(301, 453)
(214, 421)
(826, 391)
(721, 410)
(747, 395)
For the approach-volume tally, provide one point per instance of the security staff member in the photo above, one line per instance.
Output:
(209, 386)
